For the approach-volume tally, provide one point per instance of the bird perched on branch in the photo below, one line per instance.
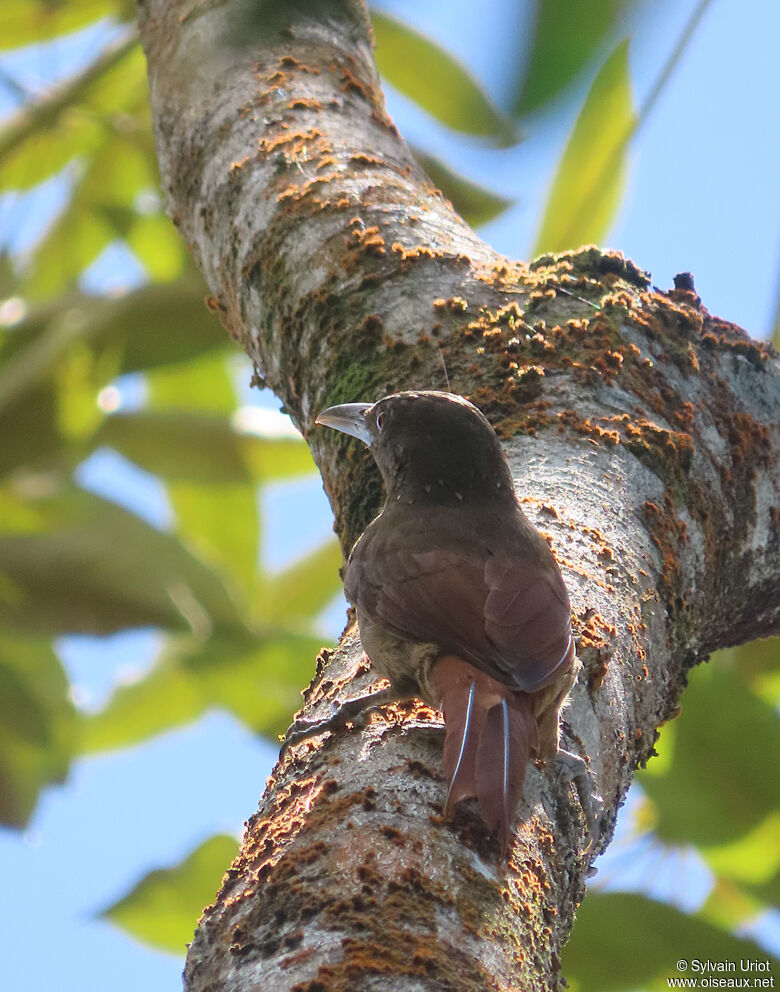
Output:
(459, 599)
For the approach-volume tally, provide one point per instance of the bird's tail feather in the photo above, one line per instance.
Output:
(490, 738)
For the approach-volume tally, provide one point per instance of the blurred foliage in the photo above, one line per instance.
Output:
(237, 636)
(446, 90)
(587, 188)
(568, 37)
(160, 910)
(624, 942)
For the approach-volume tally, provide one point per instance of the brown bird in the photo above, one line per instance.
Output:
(460, 601)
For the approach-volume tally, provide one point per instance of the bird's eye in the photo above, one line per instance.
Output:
(380, 420)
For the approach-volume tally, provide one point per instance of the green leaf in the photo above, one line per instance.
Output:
(48, 150)
(437, 82)
(623, 942)
(186, 446)
(568, 34)
(26, 22)
(37, 724)
(177, 445)
(587, 188)
(279, 458)
(163, 908)
(162, 324)
(475, 204)
(73, 242)
(724, 737)
(28, 427)
(92, 567)
(256, 677)
(101, 208)
(205, 385)
(221, 523)
(77, 117)
(306, 587)
(157, 245)
(757, 663)
(728, 906)
(753, 858)
(152, 326)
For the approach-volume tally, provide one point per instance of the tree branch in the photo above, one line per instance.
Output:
(643, 435)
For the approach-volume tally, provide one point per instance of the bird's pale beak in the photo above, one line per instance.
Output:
(349, 418)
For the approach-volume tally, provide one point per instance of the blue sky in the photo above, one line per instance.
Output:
(702, 196)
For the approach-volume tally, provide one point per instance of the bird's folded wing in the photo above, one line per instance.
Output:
(509, 618)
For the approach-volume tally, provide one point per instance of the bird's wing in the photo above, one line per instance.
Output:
(506, 613)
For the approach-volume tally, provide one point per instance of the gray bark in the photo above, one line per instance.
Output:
(643, 435)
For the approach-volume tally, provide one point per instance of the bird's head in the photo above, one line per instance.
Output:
(429, 445)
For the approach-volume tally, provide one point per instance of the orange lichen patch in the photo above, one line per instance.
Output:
(293, 960)
(215, 305)
(298, 146)
(350, 82)
(290, 62)
(390, 912)
(299, 191)
(372, 323)
(381, 118)
(660, 449)
(420, 252)
(456, 304)
(235, 169)
(594, 644)
(366, 239)
(587, 427)
(303, 103)
(721, 335)
(368, 161)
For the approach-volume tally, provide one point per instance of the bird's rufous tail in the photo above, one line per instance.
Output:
(490, 737)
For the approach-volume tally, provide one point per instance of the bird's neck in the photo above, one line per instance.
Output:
(461, 488)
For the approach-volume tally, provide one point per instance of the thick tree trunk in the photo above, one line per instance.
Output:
(643, 435)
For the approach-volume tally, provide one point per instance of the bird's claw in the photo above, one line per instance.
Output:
(572, 768)
(352, 710)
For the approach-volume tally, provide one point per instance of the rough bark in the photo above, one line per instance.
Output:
(643, 435)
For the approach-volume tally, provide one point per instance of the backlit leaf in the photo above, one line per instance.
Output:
(183, 445)
(92, 567)
(37, 724)
(421, 70)
(152, 326)
(258, 677)
(723, 738)
(567, 36)
(24, 22)
(626, 942)
(587, 188)
(306, 587)
(221, 523)
(163, 908)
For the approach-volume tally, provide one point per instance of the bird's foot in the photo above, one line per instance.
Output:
(572, 768)
(354, 710)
